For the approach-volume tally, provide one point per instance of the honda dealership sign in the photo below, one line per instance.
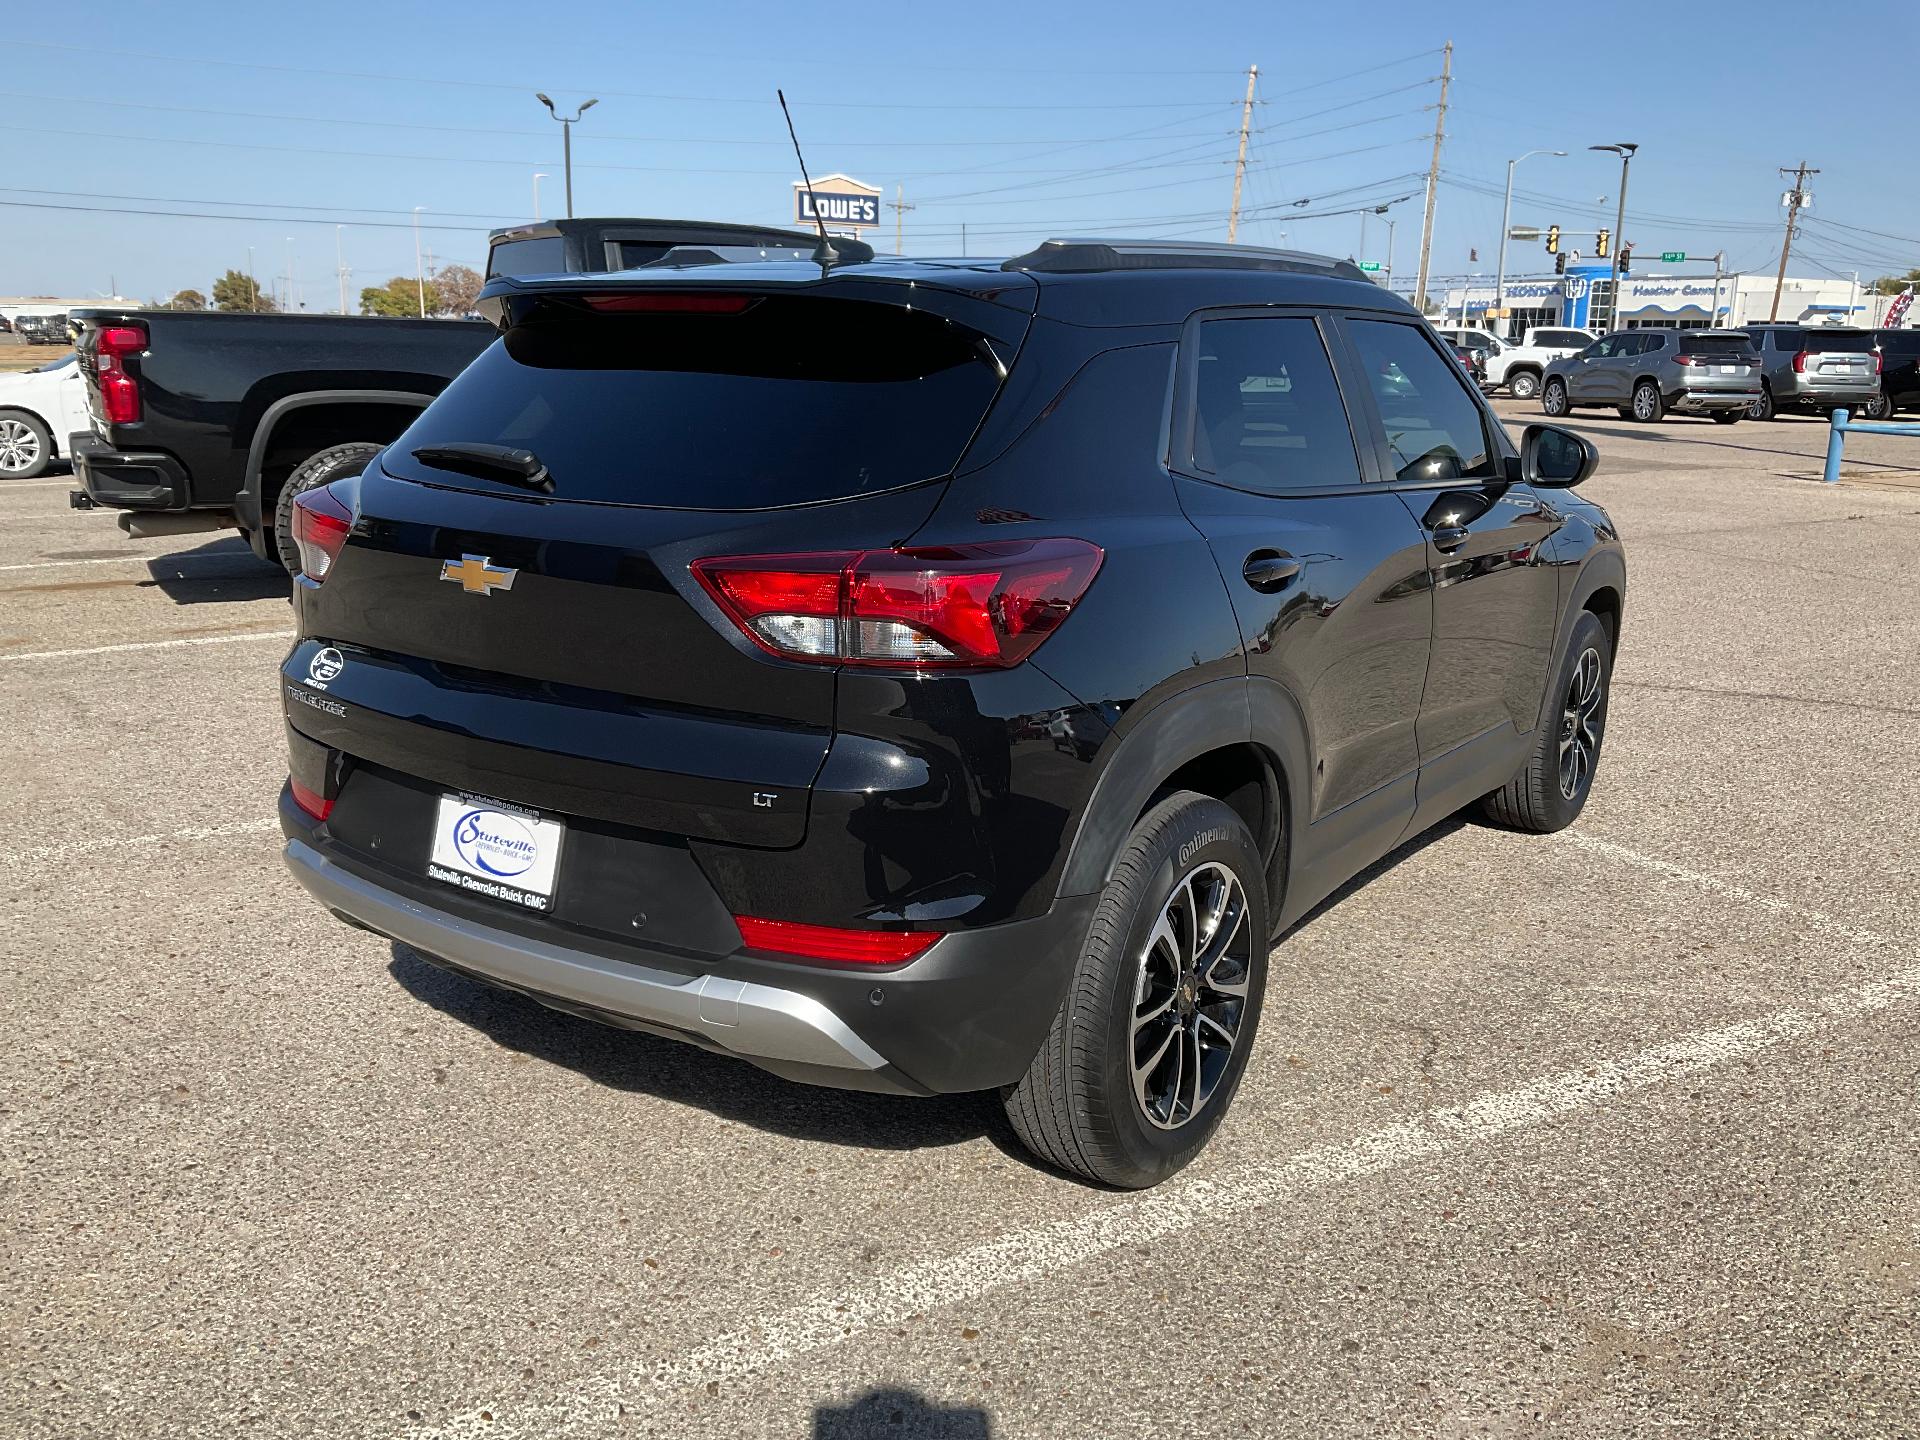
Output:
(838, 201)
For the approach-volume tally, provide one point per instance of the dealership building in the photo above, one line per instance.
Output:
(1657, 296)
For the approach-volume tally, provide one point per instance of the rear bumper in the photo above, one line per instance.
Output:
(128, 479)
(1696, 400)
(1812, 399)
(969, 1014)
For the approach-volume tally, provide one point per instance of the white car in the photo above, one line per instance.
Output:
(39, 409)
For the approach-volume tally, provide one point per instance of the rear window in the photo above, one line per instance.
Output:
(1697, 344)
(1787, 340)
(1839, 342)
(540, 255)
(790, 401)
(1562, 337)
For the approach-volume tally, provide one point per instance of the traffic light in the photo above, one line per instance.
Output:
(1559, 264)
(1626, 259)
(1600, 244)
(1553, 240)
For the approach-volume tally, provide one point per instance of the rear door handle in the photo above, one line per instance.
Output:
(1270, 570)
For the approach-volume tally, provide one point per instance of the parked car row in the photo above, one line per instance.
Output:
(1758, 372)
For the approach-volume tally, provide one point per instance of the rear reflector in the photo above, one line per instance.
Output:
(322, 520)
(669, 304)
(935, 606)
(119, 395)
(310, 802)
(824, 942)
(1800, 363)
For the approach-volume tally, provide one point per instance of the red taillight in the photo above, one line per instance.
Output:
(309, 801)
(322, 520)
(1879, 363)
(119, 395)
(1800, 363)
(682, 304)
(938, 606)
(824, 942)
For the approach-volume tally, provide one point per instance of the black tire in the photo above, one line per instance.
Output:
(1524, 384)
(26, 445)
(1539, 798)
(1878, 408)
(1077, 1107)
(1553, 397)
(1762, 409)
(336, 462)
(1728, 417)
(1649, 407)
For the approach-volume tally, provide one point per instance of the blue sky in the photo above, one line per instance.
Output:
(1016, 121)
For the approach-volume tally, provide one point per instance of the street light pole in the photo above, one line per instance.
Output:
(1506, 223)
(1625, 151)
(538, 176)
(419, 270)
(566, 140)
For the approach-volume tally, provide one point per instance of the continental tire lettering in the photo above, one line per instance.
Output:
(1190, 848)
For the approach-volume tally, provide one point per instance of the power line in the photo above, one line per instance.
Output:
(333, 210)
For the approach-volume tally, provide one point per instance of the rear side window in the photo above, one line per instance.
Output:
(1558, 338)
(540, 255)
(783, 401)
(1434, 429)
(1694, 343)
(1268, 415)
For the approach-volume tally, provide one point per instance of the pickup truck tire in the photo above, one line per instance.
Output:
(1087, 1104)
(336, 462)
(1524, 384)
(26, 445)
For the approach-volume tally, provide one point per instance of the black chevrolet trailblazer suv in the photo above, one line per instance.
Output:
(938, 675)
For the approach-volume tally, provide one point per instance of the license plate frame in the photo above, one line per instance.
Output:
(496, 849)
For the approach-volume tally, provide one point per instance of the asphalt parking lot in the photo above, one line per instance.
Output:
(1607, 1134)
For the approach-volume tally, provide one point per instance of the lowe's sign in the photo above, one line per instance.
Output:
(838, 201)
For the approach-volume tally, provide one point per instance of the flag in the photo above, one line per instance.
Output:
(1897, 312)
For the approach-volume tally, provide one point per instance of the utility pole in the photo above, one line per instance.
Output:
(1240, 163)
(1433, 179)
(340, 265)
(419, 267)
(1796, 199)
(566, 140)
(900, 208)
(963, 237)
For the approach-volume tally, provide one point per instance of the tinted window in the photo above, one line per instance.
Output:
(541, 255)
(1652, 342)
(1268, 414)
(789, 401)
(1787, 340)
(1839, 342)
(1900, 342)
(1708, 343)
(1434, 430)
(1559, 338)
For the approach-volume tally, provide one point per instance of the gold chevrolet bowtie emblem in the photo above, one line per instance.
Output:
(477, 575)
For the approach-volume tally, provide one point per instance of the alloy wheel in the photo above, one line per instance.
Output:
(1581, 723)
(1190, 996)
(1643, 403)
(19, 447)
(1554, 401)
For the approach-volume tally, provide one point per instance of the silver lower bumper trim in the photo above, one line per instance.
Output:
(753, 1021)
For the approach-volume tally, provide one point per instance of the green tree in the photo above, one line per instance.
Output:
(188, 300)
(1894, 284)
(235, 291)
(400, 296)
(453, 290)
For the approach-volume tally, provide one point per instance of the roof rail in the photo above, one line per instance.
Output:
(1081, 255)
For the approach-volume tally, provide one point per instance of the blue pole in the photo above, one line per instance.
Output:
(1836, 442)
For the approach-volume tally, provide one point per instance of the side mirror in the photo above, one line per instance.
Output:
(1554, 458)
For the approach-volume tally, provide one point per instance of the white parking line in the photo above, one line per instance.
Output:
(63, 564)
(1818, 919)
(1024, 1256)
(147, 645)
(248, 556)
(45, 854)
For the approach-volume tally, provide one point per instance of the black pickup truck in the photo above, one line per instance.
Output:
(209, 421)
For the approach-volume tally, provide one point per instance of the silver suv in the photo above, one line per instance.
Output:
(1814, 369)
(1645, 373)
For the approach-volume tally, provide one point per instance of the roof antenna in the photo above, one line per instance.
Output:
(825, 256)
